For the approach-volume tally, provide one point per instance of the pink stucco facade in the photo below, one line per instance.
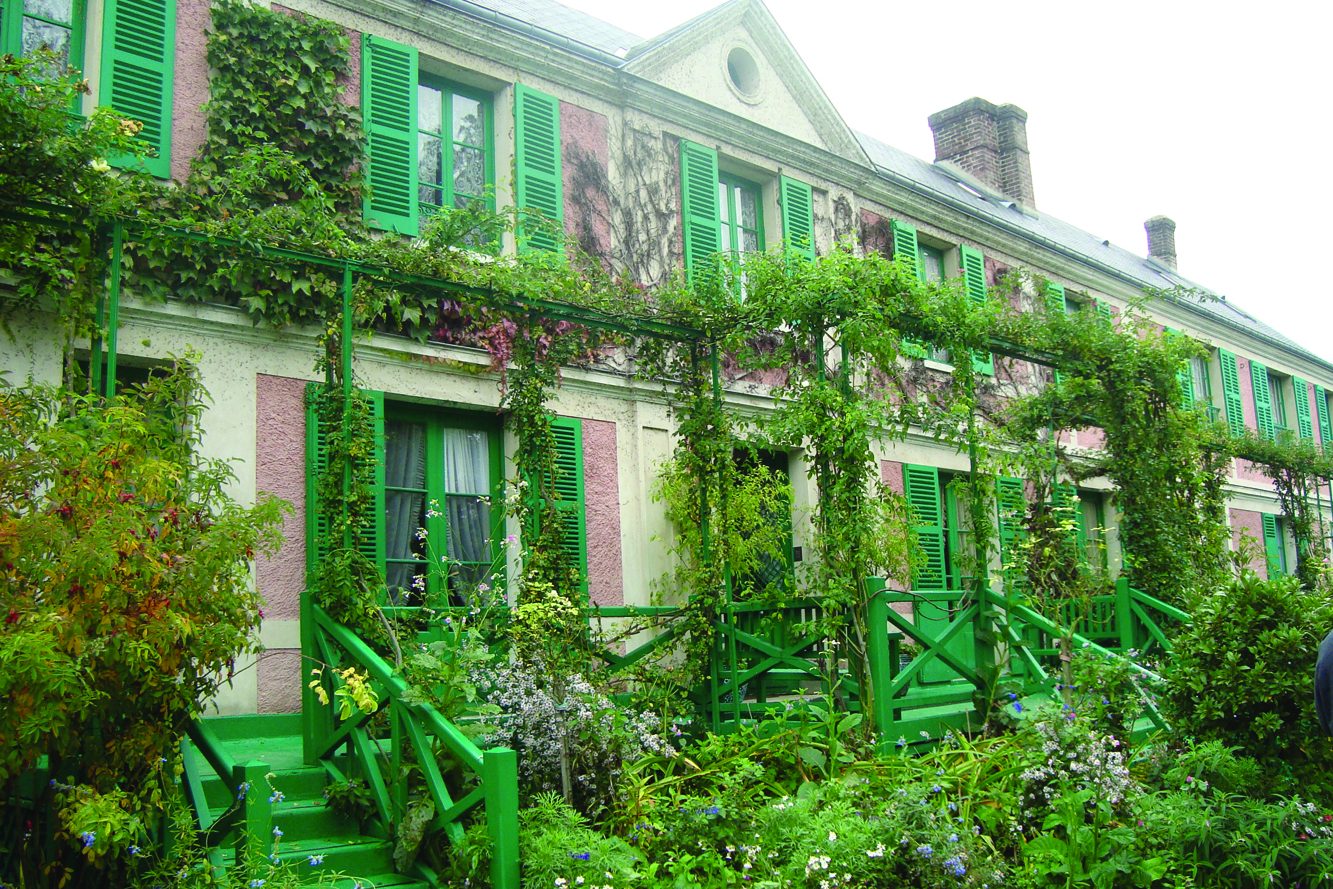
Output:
(280, 471)
(891, 474)
(1246, 523)
(586, 152)
(189, 127)
(601, 503)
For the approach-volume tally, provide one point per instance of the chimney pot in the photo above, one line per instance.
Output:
(989, 142)
(1161, 240)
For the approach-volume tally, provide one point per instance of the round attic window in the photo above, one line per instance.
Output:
(743, 74)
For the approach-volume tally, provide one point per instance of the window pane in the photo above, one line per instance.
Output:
(930, 264)
(469, 121)
(747, 207)
(37, 35)
(405, 579)
(54, 10)
(428, 109)
(469, 529)
(469, 173)
(467, 462)
(404, 454)
(724, 203)
(428, 170)
(749, 241)
(404, 522)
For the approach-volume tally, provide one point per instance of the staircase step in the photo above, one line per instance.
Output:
(349, 855)
(380, 881)
(304, 783)
(311, 819)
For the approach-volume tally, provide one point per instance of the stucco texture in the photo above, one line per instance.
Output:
(279, 681)
(601, 502)
(189, 127)
(280, 470)
(586, 152)
(1247, 523)
(891, 474)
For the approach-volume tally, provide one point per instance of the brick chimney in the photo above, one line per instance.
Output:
(989, 142)
(1161, 240)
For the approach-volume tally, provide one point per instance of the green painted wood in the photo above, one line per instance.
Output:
(1231, 400)
(1263, 399)
(568, 489)
(1304, 421)
(974, 282)
(798, 216)
(500, 780)
(1273, 553)
(922, 487)
(699, 210)
(1011, 510)
(906, 250)
(389, 109)
(138, 65)
(1321, 410)
(538, 177)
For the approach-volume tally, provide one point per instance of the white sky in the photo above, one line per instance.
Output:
(1215, 114)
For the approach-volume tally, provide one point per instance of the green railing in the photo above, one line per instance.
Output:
(377, 748)
(243, 818)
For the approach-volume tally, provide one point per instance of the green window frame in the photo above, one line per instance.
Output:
(455, 146)
(432, 555)
(26, 25)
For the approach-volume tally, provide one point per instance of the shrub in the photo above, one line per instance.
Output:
(126, 593)
(1242, 671)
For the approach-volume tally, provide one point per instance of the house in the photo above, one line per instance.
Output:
(653, 154)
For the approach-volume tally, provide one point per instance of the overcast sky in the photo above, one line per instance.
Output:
(1215, 114)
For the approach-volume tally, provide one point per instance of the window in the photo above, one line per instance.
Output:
(30, 25)
(1270, 410)
(431, 146)
(455, 161)
(138, 51)
(937, 501)
(433, 529)
(1278, 391)
(932, 263)
(441, 527)
(722, 214)
(740, 221)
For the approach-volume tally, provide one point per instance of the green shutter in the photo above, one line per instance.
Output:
(538, 175)
(1304, 422)
(11, 27)
(138, 60)
(369, 539)
(568, 487)
(1263, 399)
(1184, 376)
(974, 281)
(922, 484)
(1055, 305)
(1103, 310)
(1235, 411)
(389, 107)
(798, 216)
(699, 211)
(1067, 496)
(905, 247)
(1274, 553)
(1011, 508)
(1321, 410)
(1055, 298)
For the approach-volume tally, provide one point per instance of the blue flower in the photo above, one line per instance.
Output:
(935, 788)
(277, 832)
(581, 856)
(88, 838)
(953, 838)
(925, 851)
(277, 796)
(316, 860)
(955, 866)
(134, 850)
(1018, 708)
(1012, 696)
(255, 884)
(712, 810)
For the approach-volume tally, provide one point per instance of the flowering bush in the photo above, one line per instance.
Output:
(570, 737)
(125, 585)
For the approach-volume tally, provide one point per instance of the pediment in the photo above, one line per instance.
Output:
(735, 57)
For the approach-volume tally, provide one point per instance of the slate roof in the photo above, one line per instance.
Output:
(567, 25)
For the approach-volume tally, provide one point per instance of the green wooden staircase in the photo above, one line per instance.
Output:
(265, 752)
